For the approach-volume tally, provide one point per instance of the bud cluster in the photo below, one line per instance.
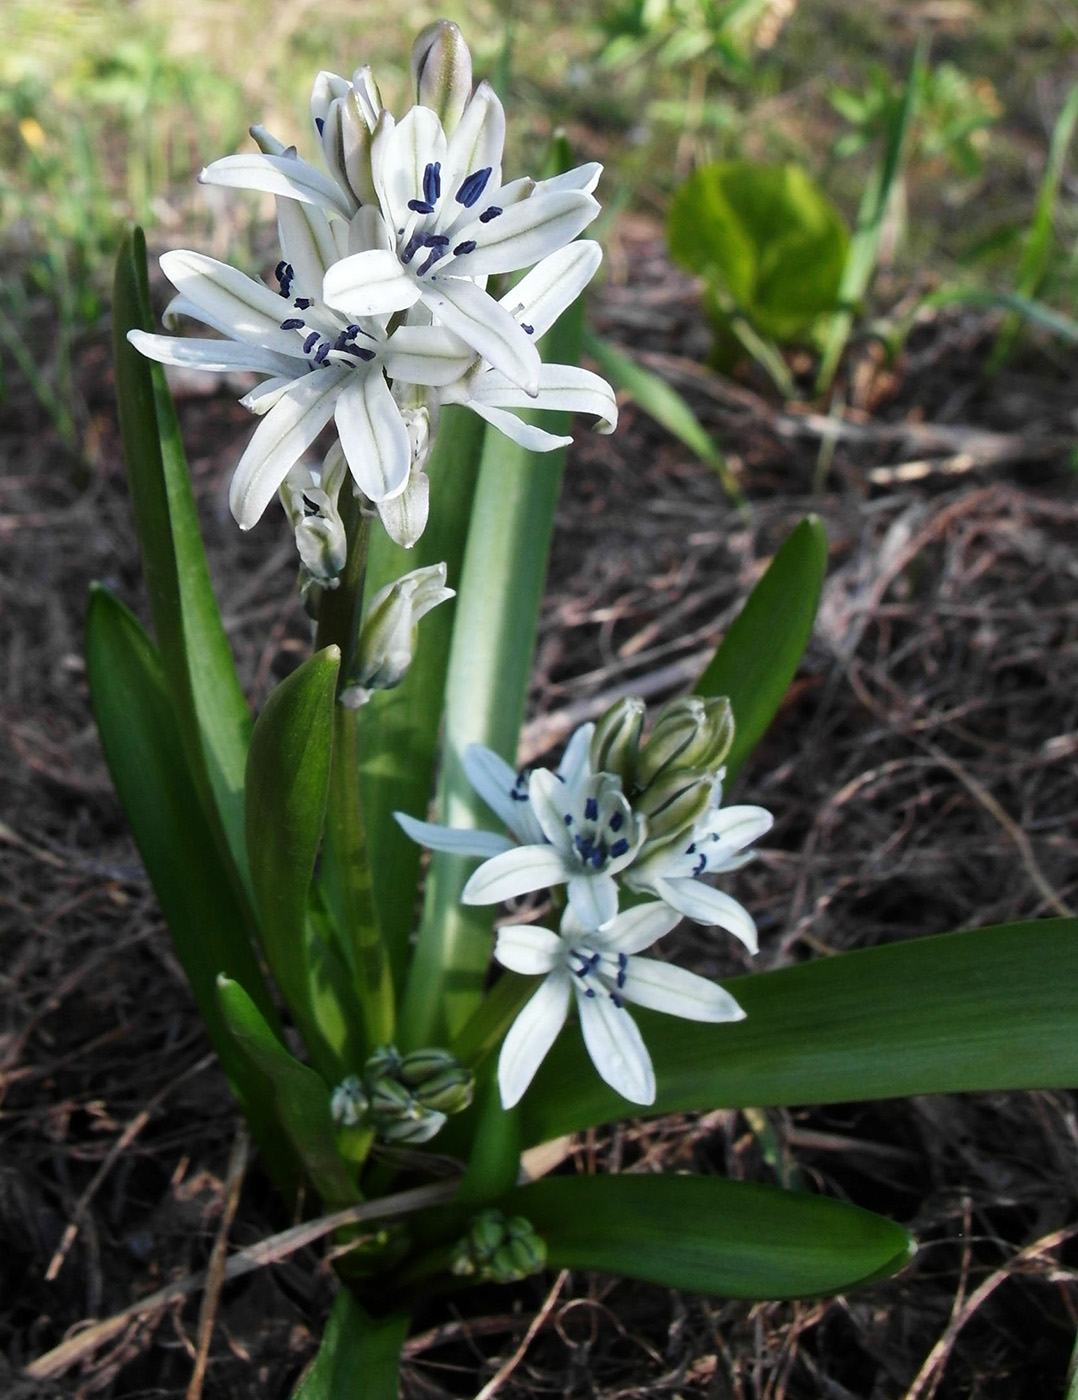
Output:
(671, 777)
(403, 1098)
(498, 1250)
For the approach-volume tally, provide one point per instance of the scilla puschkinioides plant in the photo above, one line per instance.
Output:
(275, 850)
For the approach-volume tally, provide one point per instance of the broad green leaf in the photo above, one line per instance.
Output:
(494, 1152)
(211, 711)
(756, 660)
(864, 247)
(132, 704)
(359, 1355)
(300, 1095)
(729, 1239)
(288, 769)
(497, 610)
(768, 236)
(398, 729)
(985, 1009)
(664, 404)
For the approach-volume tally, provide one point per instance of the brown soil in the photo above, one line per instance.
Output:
(922, 773)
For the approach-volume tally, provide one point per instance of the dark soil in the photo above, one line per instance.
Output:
(922, 772)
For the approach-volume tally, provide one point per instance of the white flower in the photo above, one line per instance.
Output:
(601, 968)
(310, 502)
(319, 365)
(387, 638)
(715, 846)
(506, 794)
(591, 833)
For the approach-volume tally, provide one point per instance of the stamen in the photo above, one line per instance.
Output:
(321, 353)
(303, 303)
(435, 254)
(568, 819)
(294, 323)
(617, 1001)
(623, 968)
(473, 186)
(310, 342)
(468, 246)
(616, 820)
(701, 865)
(619, 847)
(488, 214)
(591, 810)
(363, 354)
(420, 206)
(528, 330)
(320, 125)
(284, 274)
(412, 247)
(432, 182)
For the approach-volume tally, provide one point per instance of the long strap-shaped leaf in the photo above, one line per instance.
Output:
(756, 660)
(300, 1095)
(132, 703)
(359, 1358)
(985, 1009)
(398, 729)
(212, 714)
(730, 1239)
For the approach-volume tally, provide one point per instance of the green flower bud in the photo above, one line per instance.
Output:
(449, 1092)
(348, 1103)
(384, 1061)
(486, 1234)
(419, 1128)
(390, 1100)
(691, 732)
(387, 639)
(421, 1065)
(442, 72)
(673, 805)
(617, 737)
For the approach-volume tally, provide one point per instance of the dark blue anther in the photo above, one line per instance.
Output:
(436, 240)
(598, 858)
(294, 323)
(589, 991)
(488, 214)
(420, 206)
(617, 1001)
(690, 849)
(320, 125)
(468, 246)
(591, 810)
(310, 342)
(432, 258)
(302, 303)
(615, 821)
(432, 182)
(619, 847)
(701, 865)
(473, 186)
(623, 968)
(412, 247)
(528, 330)
(321, 353)
(363, 354)
(284, 275)
(280, 270)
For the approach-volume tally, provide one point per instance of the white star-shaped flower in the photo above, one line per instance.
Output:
(601, 970)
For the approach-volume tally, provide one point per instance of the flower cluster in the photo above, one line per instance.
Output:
(381, 311)
(617, 813)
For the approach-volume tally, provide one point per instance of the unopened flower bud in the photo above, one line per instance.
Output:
(500, 1250)
(692, 732)
(442, 72)
(673, 796)
(348, 1103)
(438, 1080)
(425, 1064)
(617, 737)
(383, 1062)
(417, 1128)
(387, 639)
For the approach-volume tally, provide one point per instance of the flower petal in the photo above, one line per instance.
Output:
(523, 233)
(705, 905)
(426, 355)
(637, 929)
(664, 987)
(281, 438)
(542, 294)
(478, 140)
(563, 387)
(371, 283)
(404, 517)
(217, 356)
(455, 840)
(281, 175)
(467, 311)
(616, 1046)
(575, 764)
(232, 302)
(495, 782)
(593, 899)
(405, 151)
(307, 242)
(530, 1037)
(551, 799)
(528, 949)
(373, 435)
(515, 429)
(518, 871)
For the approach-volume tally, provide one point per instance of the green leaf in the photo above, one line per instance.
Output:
(359, 1355)
(300, 1095)
(288, 770)
(486, 689)
(756, 660)
(664, 404)
(864, 247)
(211, 711)
(729, 1239)
(768, 236)
(398, 729)
(985, 1009)
(132, 704)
